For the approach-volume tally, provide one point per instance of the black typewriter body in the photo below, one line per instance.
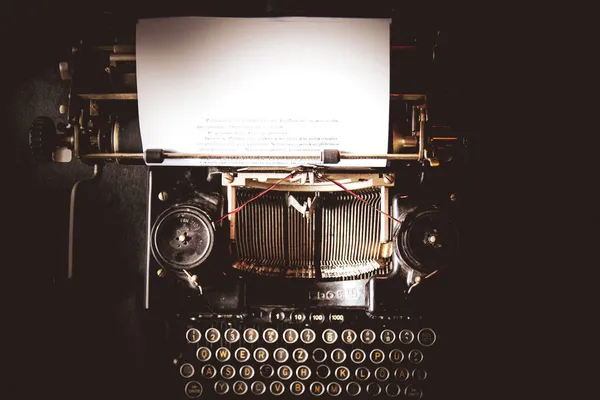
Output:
(261, 333)
(309, 281)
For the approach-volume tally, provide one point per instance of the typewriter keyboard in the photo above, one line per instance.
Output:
(304, 354)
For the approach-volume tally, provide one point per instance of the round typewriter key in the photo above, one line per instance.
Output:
(353, 389)
(362, 373)
(284, 372)
(270, 335)
(367, 336)
(419, 374)
(300, 355)
(426, 337)
(222, 354)
(382, 374)
(203, 354)
(348, 336)
(373, 389)
(329, 336)
(232, 335)
(246, 371)
(276, 388)
(358, 356)
(334, 389)
(227, 371)
(392, 390)
(298, 317)
(297, 388)
(336, 318)
(342, 373)
(266, 371)
(258, 388)
(338, 356)
(290, 336)
(317, 388)
(377, 356)
(242, 354)
(193, 335)
(261, 354)
(387, 336)
(193, 389)
(186, 370)
(208, 371)
(319, 355)
(396, 356)
(250, 335)
(277, 315)
(406, 336)
(303, 372)
(221, 387)
(240, 388)
(212, 335)
(401, 374)
(413, 392)
(281, 355)
(415, 356)
(323, 371)
(308, 336)
(317, 317)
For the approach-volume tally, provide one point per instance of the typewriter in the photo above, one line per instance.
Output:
(277, 279)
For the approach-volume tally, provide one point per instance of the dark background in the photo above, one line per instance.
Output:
(88, 337)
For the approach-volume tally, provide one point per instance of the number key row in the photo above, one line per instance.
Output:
(425, 337)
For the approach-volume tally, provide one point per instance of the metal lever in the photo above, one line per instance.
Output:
(95, 174)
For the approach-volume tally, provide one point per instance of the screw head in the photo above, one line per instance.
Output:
(163, 196)
(228, 178)
(161, 273)
(388, 179)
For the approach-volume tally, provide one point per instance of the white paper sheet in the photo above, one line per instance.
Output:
(263, 85)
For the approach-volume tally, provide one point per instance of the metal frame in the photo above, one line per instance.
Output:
(148, 243)
(408, 142)
(305, 182)
(311, 157)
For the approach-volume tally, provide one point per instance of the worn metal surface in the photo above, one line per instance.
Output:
(341, 235)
